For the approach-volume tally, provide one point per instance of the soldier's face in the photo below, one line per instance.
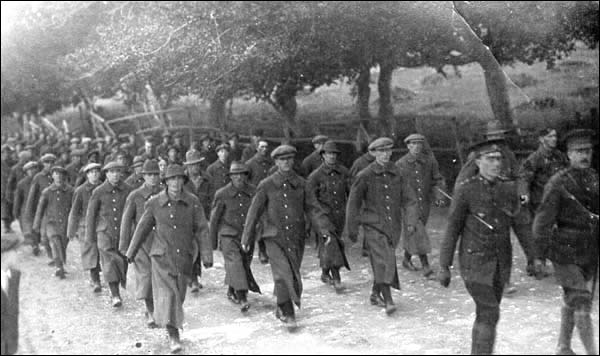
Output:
(58, 177)
(152, 179)
(550, 140)
(383, 154)
(580, 157)
(330, 157)
(415, 147)
(489, 164)
(223, 154)
(113, 176)
(175, 184)
(285, 164)
(262, 147)
(93, 176)
(238, 179)
(172, 155)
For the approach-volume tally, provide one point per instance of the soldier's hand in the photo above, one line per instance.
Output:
(538, 269)
(444, 276)
(207, 264)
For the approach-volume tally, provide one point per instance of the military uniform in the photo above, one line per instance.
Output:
(311, 162)
(40, 181)
(103, 222)
(53, 208)
(537, 169)
(19, 205)
(217, 176)
(258, 167)
(361, 163)
(135, 180)
(90, 258)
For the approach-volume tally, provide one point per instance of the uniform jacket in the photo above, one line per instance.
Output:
(563, 229)
(180, 230)
(73, 172)
(361, 163)
(134, 208)
(311, 162)
(480, 248)
(248, 152)
(135, 180)
(81, 197)
(20, 196)
(40, 181)
(378, 198)
(216, 174)
(104, 213)
(14, 177)
(331, 186)
(258, 167)
(53, 207)
(422, 174)
(200, 187)
(229, 209)
(537, 169)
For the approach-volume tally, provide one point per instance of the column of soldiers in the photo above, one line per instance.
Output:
(172, 211)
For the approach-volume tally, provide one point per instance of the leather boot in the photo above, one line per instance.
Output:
(483, 339)
(567, 323)
(390, 307)
(262, 252)
(174, 342)
(150, 322)
(336, 279)
(95, 280)
(407, 263)
(375, 297)
(583, 320)
(242, 296)
(427, 271)
(325, 277)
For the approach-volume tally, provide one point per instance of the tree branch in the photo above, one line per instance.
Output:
(168, 39)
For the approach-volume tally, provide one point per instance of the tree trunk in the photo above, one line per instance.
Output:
(217, 110)
(364, 94)
(495, 82)
(285, 103)
(386, 110)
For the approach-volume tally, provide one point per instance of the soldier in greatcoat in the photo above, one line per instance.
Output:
(236, 149)
(537, 169)
(285, 200)
(31, 168)
(102, 227)
(15, 175)
(5, 203)
(227, 219)
(478, 217)
(136, 179)
(198, 185)
(421, 171)
(258, 169)
(217, 172)
(90, 258)
(565, 229)
(250, 150)
(378, 198)
(74, 167)
(180, 238)
(358, 165)
(53, 208)
(40, 181)
(330, 184)
(134, 208)
(313, 160)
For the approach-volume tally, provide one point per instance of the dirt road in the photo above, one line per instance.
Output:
(65, 317)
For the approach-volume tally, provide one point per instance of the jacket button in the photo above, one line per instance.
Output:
(174, 226)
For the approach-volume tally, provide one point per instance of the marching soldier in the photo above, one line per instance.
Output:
(134, 208)
(162, 149)
(53, 208)
(6, 208)
(421, 171)
(40, 181)
(102, 225)
(15, 175)
(537, 169)
(330, 184)
(285, 200)
(198, 185)
(31, 168)
(75, 166)
(314, 160)
(566, 231)
(378, 198)
(217, 172)
(236, 149)
(90, 258)
(358, 165)
(227, 220)
(136, 179)
(250, 150)
(258, 169)
(180, 239)
(478, 217)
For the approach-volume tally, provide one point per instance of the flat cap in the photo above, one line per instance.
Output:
(414, 138)
(137, 161)
(25, 154)
(78, 152)
(237, 168)
(193, 157)
(48, 157)
(113, 165)
(381, 142)
(330, 146)
(175, 170)
(173, 147)
(283, 151)
(75, 139)
(495, 127)
(31, 164)
(166, 134)
(93, 152)
(88, 167)
(151, 167)
(223, 146)
(486, 146)
(579, 139)
(320, 139)
(59, 169)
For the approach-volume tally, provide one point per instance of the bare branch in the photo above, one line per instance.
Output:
(168, 39)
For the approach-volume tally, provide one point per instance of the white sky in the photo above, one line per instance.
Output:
(11, 10)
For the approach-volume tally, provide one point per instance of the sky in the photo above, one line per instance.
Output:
(11, 11)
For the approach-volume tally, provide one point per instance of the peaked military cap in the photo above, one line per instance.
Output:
(113, 165)
(283, 151)
(579, 138)
(31, 164)
(223, 146)
(58, 168)
(320, 139)
(137, 161)
(48, 157)
(193, 157)
(78, 152)
(175, 170)
(88, 167)
(330, 146)
(151, 167)
(381, 142)
(495, 127)
(237, 168)
(414, 138)
(25, 154)
(486, 146)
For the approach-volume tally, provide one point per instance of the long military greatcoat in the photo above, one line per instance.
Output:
(361, 163)
(537, 169)
(258, 168)
(285, 200)
(76, 227)
(53, 208)
(200, 187)
(132, 214)
(330, 186)
(180, 230)
(311, 162)
(20, 196)
(227, 220)
(40, 181)
(423, 176)
(482, 249)
(103, 223)
(378, 198)
(217, 175)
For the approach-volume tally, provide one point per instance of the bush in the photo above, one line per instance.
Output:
(523, 80)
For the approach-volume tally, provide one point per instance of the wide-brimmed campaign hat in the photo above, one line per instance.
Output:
(151, 167)
(175, 170)
(237, 168)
